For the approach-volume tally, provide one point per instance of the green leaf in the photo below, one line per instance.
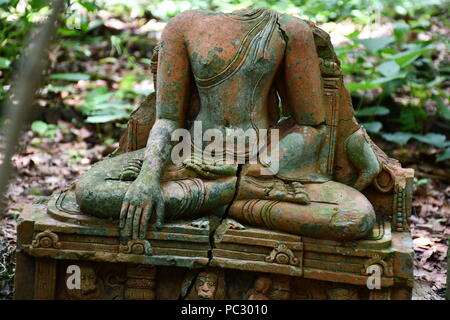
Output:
(89, 6)
(373, 127)
(68, 32)
(112, 105)
(39, 127)
(70, 76)
(108, 60)
(407, 57)
(128, 82)
(98, 95)
(94, 24)
(100, 99)
(107, 117)
(96, 92)
(57, 89)
(411, 119)
(37, 4)
(444, 111)
(379, 81)
(400, 138)
(4, 63)
(434, 139)
(361, 86)
(372, 111)
(375, 44)
(401, 30)
(144, 92)
(389, 68)
(444, 155)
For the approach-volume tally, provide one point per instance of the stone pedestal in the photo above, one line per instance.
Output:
(174, 261)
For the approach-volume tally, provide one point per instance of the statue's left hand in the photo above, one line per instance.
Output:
(142, 200)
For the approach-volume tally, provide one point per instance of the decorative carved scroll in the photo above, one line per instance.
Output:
(136, 247)
(46, 239)
(283, 255)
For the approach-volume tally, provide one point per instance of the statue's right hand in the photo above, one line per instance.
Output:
(142, 200)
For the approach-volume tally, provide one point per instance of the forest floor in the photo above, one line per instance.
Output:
(45, 165)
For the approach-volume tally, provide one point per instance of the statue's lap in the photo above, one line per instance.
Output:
(336, 211)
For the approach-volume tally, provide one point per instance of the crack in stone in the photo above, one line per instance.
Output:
(183, 295)
(225, 215)
(283, 33)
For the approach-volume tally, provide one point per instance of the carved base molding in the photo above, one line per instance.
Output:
(203, 261)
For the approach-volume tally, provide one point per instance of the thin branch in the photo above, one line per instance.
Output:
(25, 86)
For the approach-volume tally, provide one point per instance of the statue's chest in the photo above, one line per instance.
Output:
(248, 50)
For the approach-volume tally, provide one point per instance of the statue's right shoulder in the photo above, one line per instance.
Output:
(190, 16)
(186, 19)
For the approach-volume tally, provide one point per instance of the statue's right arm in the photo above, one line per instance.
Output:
(173, 84)
(144, 195)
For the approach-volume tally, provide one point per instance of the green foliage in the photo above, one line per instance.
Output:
(44, 129)
(70, 76)
(399, 67)
(402, 138)
(373, 127)
(76, 155)
(444, 155)
(4, 63)
(100, 107)
(372, 111)
(419, 182)
(375, 44)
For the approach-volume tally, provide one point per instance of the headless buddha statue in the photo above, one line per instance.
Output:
(255, 70)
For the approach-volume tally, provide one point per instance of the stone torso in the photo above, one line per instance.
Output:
(234, 59)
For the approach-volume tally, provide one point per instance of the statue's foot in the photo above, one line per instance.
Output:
(234, 225)
(202, 223)
(100, 191)
(298, 193)
(336, 211)
(273, 189)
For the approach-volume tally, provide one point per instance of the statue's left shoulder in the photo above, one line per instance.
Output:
(294, 26)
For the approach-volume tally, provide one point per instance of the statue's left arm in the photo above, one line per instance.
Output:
(300, 84)
(302, 96)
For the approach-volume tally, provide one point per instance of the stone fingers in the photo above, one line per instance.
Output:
(134, 220)
(159, 213)
(201, 171)
(123, 214)
(136, 223)
(126, 231)
(132, 168)
(209, 169)
(145, 217)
